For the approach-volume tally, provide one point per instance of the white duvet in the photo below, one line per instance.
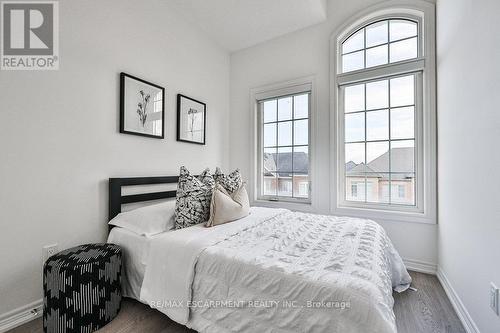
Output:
(277, 271)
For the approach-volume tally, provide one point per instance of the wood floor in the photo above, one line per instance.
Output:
(426, 310)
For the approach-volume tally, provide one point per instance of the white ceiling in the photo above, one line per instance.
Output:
(237, 24)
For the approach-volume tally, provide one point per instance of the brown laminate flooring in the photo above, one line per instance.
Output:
(427, 310)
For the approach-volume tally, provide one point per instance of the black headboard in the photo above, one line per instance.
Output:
(116, 199)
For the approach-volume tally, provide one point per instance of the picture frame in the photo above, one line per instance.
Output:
(142, 107)
(191, 120)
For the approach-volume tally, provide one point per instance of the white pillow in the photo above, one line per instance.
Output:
(148, 220)
(226, 207)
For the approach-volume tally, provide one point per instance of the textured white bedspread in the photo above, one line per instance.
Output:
(277, 271)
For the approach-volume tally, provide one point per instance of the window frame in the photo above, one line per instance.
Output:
(423, 67)
(260, 131)
(418, 207)
(291, 87)
(383, 17)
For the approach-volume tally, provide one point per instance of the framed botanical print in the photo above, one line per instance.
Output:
(191, 120)
(142, 107)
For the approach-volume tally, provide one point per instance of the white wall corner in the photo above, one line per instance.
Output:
(21, 315)
(420, 266)
(324, 6)
(464, 316)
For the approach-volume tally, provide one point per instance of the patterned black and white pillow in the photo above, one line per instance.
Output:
(193, 198)
(230, 182)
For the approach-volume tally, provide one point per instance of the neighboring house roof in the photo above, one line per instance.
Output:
(360, 170)
(282, 163)
(401, 160)
(269, 164)
(350, 165)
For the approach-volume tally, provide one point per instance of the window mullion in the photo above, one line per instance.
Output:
(379, 72)
(365, 145)
(390, 143)
(389, 41)
(293, 140)
(364, 47)
(277, 151)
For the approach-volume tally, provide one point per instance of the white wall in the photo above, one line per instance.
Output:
(469, 160)
(296, 55)
(59, 139)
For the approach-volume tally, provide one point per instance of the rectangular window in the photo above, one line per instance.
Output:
(284, 147)
(354, 190)
(379, 140)
(401, 191)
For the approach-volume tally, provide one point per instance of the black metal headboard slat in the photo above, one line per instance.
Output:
(147, 196)
(116, 199)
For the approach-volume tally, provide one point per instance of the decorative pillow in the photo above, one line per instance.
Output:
(227, 207)
(230, 182)
(148, 220)
(193, 198)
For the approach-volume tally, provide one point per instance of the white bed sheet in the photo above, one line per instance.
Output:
(277, 255)
(174, 255)
(135, 249)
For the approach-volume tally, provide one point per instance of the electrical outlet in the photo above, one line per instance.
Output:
(494, 298)
(48, 251)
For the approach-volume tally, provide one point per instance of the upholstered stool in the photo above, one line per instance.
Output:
(82, 290)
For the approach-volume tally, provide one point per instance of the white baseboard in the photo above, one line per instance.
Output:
(459, 307)
(34, 310)
(420, 266)
(21, 315)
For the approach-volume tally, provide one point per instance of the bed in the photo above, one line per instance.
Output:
(135, 254)
(272, 271)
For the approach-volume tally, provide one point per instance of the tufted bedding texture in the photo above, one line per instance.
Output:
(279, 271)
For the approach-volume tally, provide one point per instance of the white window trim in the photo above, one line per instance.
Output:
(425, 13)
(419, 207)
(269, 91)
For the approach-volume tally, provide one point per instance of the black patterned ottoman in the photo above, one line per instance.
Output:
(82, 289)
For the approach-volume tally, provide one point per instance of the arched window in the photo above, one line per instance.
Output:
(379, 43)
(384, 107)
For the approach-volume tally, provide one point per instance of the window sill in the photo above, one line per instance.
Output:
(302, 205)
(384, 214)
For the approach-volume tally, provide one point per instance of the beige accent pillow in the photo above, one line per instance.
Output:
(227, 207)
